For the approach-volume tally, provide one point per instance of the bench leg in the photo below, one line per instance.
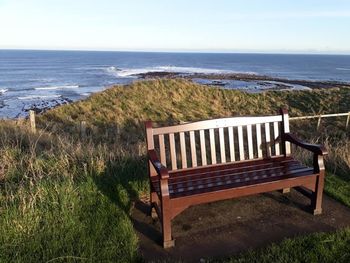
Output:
(154, 199)
(316, 198)
(166, 225)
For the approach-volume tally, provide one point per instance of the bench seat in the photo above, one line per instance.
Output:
(218, 159)
(208, 179)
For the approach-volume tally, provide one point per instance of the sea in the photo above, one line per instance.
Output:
(30, 78)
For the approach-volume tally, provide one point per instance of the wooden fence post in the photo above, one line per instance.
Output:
(347, 121)
(32, 120)
(319, 122)
(83, 129)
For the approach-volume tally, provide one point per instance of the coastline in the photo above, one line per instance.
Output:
(251, 83)
(317, 84)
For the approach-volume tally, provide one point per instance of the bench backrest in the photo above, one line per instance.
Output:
(219, 141)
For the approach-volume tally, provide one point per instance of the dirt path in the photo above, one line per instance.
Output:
(228, 227)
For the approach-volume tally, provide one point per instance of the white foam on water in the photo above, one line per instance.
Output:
(38, 97)
(172, 69)
(2, 91)
(58, 87)
(345, 69)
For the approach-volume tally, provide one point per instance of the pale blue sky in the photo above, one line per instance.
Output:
(304, 26)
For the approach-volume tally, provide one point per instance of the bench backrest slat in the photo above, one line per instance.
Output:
(203, 147)
(276, 134)
(240, 143)
(173, 151)
(285, 129)
(231, 143)
(258, 140)
(222, 145)
(267, 140)
(219, 141)
(193, 149)
(250, 142)
(162, 149)
(212, 146)
(183, 150)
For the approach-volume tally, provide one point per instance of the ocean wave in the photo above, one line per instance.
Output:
(113, 69)
(38, 97)
(346, 69)
(2, 91)
(173, 69)
(42, 79)
(58, 87)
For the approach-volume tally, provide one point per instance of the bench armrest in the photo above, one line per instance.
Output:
(315, 148)
(161, 170)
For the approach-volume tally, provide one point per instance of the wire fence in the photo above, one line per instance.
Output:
(319, 118)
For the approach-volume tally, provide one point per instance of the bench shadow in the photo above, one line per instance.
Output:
(290, 201)
(121, 179)
(117, 182)
(144, 224)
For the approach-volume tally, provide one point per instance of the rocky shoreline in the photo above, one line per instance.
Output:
(219, 79)
(39, 107)
(43, 106)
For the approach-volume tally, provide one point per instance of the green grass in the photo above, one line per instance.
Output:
(317, 248)
(338, 188)
(65, 201)
(68, 199)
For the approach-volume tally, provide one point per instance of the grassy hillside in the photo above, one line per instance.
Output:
(64, 198)
(180, 100)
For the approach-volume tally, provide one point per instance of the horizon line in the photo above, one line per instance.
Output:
(199, 51)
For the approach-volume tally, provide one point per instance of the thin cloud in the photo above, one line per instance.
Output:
(330, 14)
(292, 15)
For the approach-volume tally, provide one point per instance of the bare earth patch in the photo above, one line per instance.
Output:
(229, 227)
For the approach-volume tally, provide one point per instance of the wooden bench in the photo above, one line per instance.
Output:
(218, 159)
